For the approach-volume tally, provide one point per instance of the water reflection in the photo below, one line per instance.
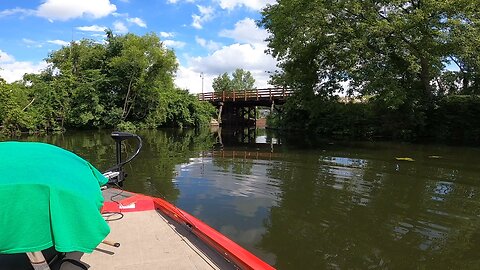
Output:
(363, 209)
(306, 203)
(228, 188)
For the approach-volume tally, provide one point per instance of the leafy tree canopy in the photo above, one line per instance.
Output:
(239, 80)
(402, 59)
(129, 79)
(396, 50)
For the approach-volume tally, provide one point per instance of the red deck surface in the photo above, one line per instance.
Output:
(229, 249)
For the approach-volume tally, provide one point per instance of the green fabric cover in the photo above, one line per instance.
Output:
(49, 196)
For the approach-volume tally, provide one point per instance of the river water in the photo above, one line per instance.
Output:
(303, 203)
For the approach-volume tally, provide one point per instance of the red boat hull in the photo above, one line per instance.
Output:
(229, 249)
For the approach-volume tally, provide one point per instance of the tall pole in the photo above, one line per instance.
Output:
(202, 76)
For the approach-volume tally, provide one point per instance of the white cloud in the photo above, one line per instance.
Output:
(12, 70)
(247, 53)
(227, 59)
(176, 1)
(210, 44)
(98, 35)
(116, 14)
(32, 43)
(92, 28)
(174, 43)
(137, 21)
(120, 27)
(167, 34)
(187, 78)
(5, 57)
(251, 4)
(59, 42)
(235, 56)
(246, 31)
(64, 10)
(200, 41)
(13, 11)
(206, 14)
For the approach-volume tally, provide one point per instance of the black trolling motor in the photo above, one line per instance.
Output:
(116, 175)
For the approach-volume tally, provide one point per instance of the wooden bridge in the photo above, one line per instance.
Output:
(238, 108)
(256, 96)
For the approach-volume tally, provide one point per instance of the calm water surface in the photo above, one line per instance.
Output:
(300, 204)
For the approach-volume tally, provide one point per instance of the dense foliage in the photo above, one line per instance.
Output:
(240, 80)
(404, 57)
(454, 119)
(126, 82)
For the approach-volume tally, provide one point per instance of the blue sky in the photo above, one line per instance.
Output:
(209, 36)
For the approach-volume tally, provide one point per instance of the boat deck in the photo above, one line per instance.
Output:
(148, 240)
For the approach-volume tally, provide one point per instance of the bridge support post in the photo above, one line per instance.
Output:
(219, 117)
(272, 106)
(252, 115)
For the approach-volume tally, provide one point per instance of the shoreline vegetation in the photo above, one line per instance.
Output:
(412, 68)
(126, 83)
(454, 119)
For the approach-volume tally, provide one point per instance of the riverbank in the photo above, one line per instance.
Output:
(453, 120)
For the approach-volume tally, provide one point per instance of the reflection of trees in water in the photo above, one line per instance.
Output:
(153, 170)
(293, 222)
(235, 165)
(97, 146)
(408, 218)
(163, 150)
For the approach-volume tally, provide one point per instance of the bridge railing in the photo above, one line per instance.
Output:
(247, 95)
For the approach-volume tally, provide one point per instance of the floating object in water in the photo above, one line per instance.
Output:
(404, 159)
(435, 157)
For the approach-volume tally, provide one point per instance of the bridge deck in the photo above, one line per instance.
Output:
(266, 94)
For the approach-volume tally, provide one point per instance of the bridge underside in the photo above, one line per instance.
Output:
(238, 108)
(242, 113)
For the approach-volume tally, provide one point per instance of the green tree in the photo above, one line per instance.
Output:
(15, 99)
(81, 72)
(222, 83)
(239, 80)
(141, 70)
(391, 49)
(242, 80)
(50, 100)
(465, 43)
(128, 82)
(119, 81)
(396, 53)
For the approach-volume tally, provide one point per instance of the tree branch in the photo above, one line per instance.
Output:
(28, 105)
(124, 113)
(130, 107)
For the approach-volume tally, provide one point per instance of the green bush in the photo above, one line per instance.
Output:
(453, 119)
(126, 126)
(457, 119)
